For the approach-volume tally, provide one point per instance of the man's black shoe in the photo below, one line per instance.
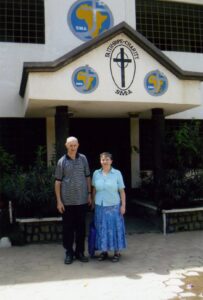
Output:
(81, 257)
(68, 259)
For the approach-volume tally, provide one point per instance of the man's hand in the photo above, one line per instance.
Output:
(60, 207)
(89, 200)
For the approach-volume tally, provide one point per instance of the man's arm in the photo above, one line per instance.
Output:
(89, 190)
(59, 202)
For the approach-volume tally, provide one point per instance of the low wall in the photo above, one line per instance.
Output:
(173, 220)
(41, 230)
(184, 221)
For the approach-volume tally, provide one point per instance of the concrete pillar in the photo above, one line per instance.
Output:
(135, 156)
(61, 129)
(51, 139)
(158, 124)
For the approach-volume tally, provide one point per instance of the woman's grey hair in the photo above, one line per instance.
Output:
(106, 154)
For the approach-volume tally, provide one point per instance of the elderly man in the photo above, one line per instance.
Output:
(73, 193)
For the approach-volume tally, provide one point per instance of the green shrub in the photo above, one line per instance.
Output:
(182, 181)
(32, 191)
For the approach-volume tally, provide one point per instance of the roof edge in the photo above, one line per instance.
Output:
(122, 27)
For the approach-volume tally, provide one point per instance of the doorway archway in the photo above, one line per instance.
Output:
(99, 135)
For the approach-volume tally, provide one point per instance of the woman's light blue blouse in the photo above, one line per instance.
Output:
(107, 187)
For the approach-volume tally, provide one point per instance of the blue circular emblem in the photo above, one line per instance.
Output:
(89, 18)
(156, 83)
(85, 80)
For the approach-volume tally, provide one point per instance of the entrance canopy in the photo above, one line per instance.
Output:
(113, 75)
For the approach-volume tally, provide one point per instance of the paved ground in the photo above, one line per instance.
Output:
(153, 267)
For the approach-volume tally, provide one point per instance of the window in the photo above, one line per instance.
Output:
(171, 26)
(22, 21)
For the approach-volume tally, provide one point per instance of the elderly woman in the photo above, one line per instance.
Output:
(110, 205)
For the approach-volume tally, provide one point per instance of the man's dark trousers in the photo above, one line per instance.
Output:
(74, 228)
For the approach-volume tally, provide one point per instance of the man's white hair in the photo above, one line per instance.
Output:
(71, 139)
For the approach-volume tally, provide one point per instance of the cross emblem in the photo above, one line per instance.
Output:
(122, 61)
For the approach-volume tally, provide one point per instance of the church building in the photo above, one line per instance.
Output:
(112, 73)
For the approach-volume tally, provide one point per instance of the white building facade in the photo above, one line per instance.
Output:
(97, 70)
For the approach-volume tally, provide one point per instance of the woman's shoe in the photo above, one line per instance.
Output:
(116, 257)
(103, 256)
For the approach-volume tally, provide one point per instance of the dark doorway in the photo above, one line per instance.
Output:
(22, 137)
(99, 135)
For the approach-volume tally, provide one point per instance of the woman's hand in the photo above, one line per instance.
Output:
(93, 198)
(122, 210)
(123, 201)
